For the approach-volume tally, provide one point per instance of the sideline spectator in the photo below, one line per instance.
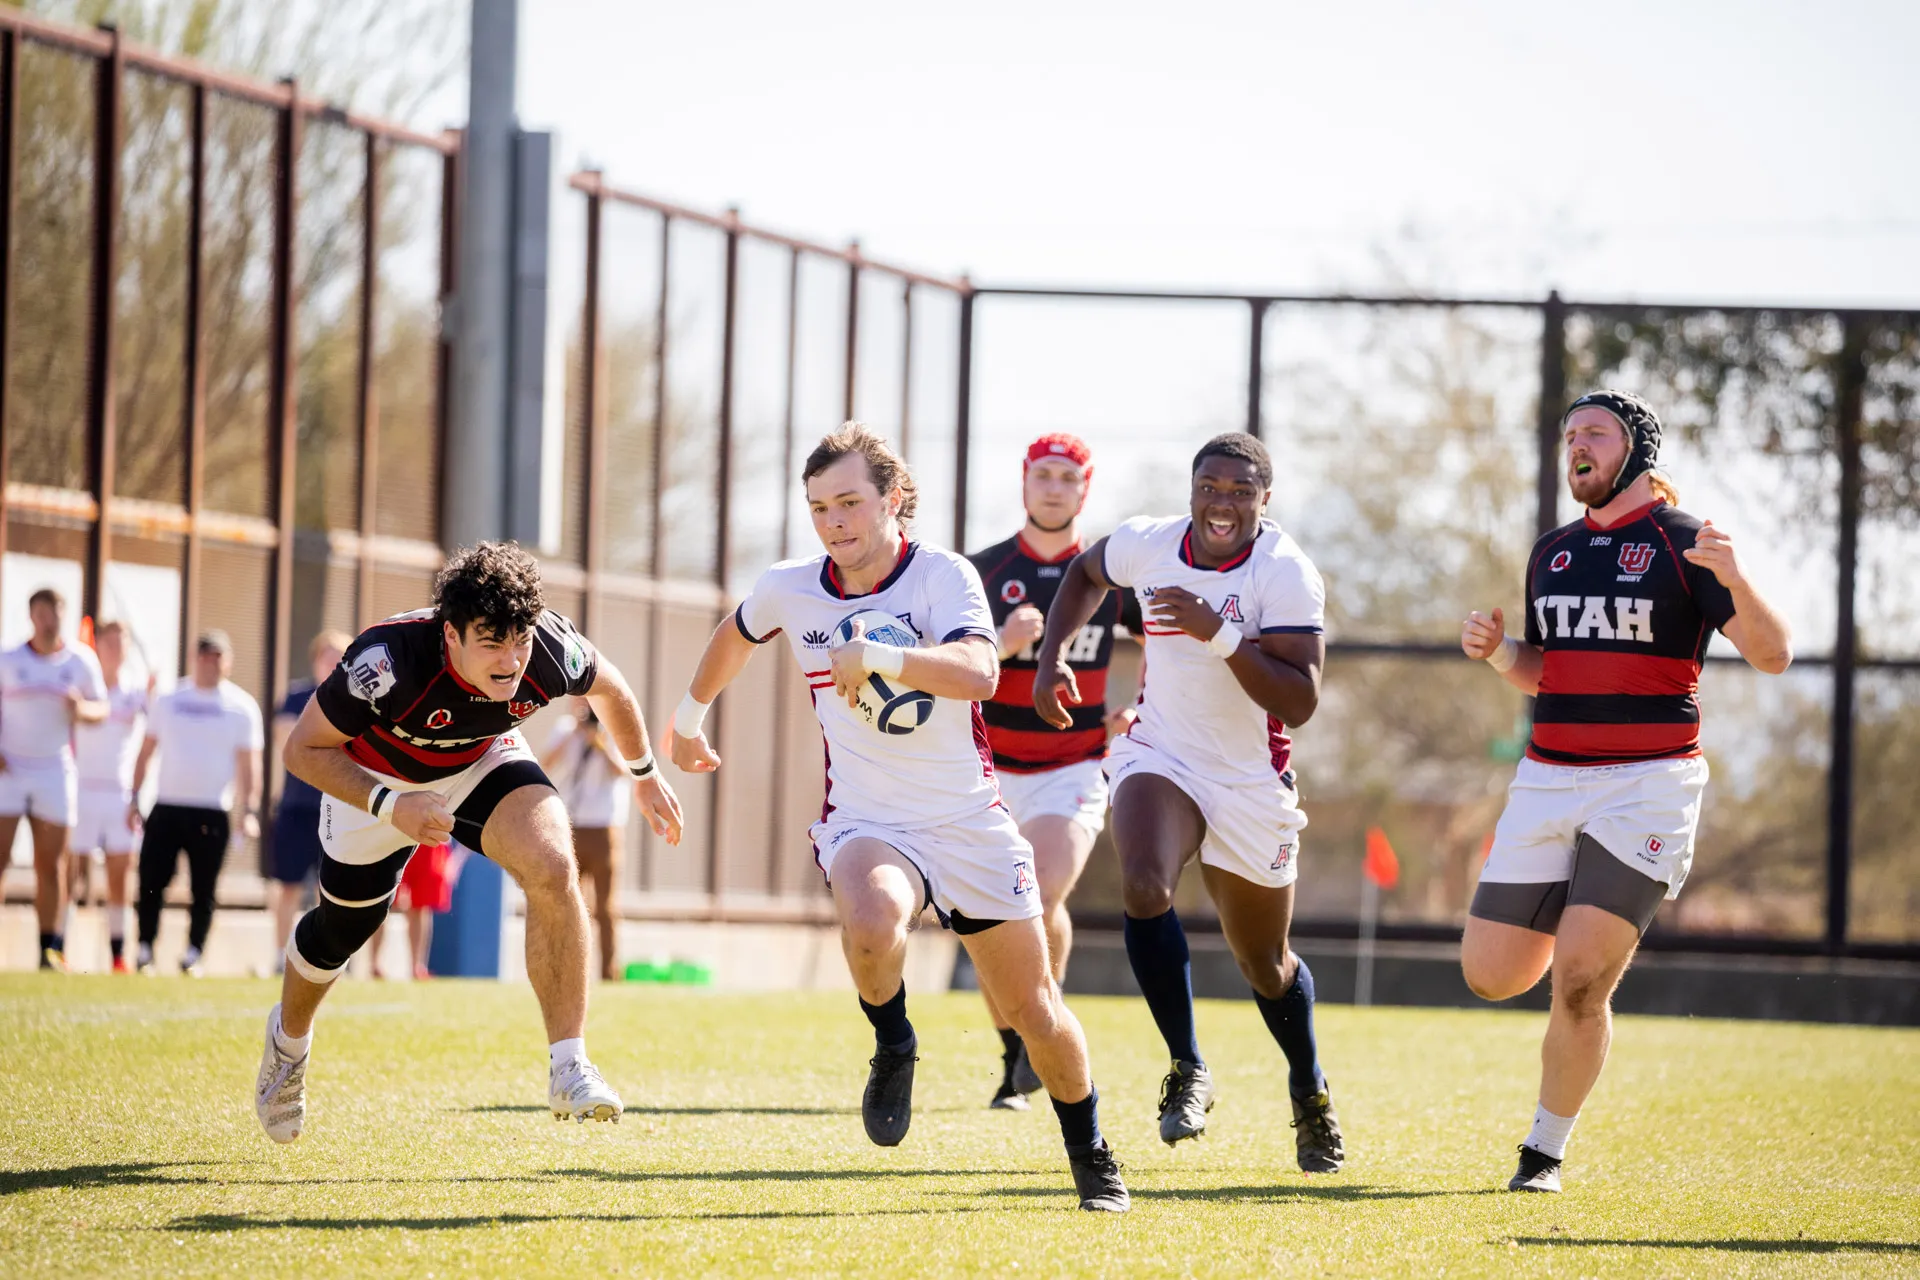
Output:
(593, 782)
(294, 853)
(426, 889)
(104, 754)
(209, 737)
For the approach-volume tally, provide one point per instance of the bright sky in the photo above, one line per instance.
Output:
(1646, 150)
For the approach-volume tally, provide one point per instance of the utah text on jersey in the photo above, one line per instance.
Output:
(1621, 673)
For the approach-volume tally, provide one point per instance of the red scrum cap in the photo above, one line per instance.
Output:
(1060, 444)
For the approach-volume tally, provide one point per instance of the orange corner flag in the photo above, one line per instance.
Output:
(1381, 867)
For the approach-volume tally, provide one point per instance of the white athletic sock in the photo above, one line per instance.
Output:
(1550, 1132)
(117, 923)
(561, 1052)
(290, 1046)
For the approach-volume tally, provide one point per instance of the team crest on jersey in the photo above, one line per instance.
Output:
(814, 640)
(576, 659)
(1282, 858)
(1022, 878)
(1561, 559)
(1655, 844)
(440, 718)
(521, 710)
(1013, 591)
(371, 675)
(1231, 609)
(1636, 557)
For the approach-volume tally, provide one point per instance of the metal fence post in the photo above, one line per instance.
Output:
(906, 370)
(283, 414)
(1256, 365)
(963, 418)
(593, 552)
(368, 404)
(853, 328)
(9, 147)
(110, 73)
(718, 840)
(1553, 398)
(196, 375)
(1852, 376)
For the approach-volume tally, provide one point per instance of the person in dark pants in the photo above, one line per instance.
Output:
(294, 852)
(209, 736)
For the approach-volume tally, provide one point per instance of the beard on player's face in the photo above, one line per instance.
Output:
(490, 663)
(1228, 501)
(1596, 451)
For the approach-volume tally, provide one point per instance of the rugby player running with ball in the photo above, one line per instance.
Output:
(415, 739)
(1050, 778)
(1599, 824)
(1233, 619)
(913, 816)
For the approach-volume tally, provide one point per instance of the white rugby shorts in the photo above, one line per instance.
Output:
(1253, 830)
(1077, 791)
(980, 866)
(100, 824)
(1645, 814)
(39, 788)
(349, 834)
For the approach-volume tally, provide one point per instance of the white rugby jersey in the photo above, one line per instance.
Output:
(943, 770)
(1191, 707)
(104, 752)
(198, 732)
(36, 722)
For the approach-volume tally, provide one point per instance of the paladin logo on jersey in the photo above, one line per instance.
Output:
(814, 640)
(440, 718)
(1013, 591)
(1561, 559)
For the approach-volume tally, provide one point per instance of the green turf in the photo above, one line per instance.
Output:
(128, 1145)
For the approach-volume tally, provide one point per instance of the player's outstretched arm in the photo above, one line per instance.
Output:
(725, 658)
(1082, 587)
(314, 755)
(1757, 629)
(1485, 639)
(612, 700)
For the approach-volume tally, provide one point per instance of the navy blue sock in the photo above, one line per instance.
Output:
(49, 942)
(1290, 1018)
(1009, 1043)
(1157, 950)
(891, 1030)
(1080, 1122)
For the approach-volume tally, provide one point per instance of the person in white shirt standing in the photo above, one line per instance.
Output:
(103, 753)
(585, 764)
(46, 687)
(209, 736)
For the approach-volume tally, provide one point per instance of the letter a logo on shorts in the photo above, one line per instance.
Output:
(1281, 859)
(1022, 878)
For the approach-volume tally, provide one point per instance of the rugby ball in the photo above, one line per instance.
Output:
(885, 707)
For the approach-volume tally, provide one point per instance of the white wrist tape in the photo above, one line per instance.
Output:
(1226, 641)
(689, 716)
(642, 767)
(380, 801)
(885, 659)
(1503, 658)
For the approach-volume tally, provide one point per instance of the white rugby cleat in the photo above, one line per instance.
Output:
(280, 1094)
(577, 1091)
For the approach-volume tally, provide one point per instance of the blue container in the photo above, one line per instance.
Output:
(466, 940)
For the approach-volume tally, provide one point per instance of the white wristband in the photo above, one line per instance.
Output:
(690, 715)
(1503, 658)
(885, 659)
(380, 801)
(643, 767)
(1226, 641)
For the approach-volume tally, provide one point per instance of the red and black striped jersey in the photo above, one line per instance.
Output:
(411, 716)
(1022, 742)
(1623, 621)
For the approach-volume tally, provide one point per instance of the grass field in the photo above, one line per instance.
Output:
(128, 1145)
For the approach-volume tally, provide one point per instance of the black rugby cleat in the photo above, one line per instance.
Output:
(1021, 1073)
(1316, 1134)
(1538, 1171)
(1096, 1176)
(1186, 1095)
(887, 1106)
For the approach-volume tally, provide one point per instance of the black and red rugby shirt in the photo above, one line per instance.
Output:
(410, 714)
(1022, 742)
(1623, 621)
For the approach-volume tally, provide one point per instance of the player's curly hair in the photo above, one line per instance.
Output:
(1238, 444)
(493, 584)
(887, 469)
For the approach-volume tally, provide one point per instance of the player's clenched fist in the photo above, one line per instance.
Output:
(850, 667)
(423, 817)
(1024, 625)
(1184, 611)
(1713, 550)
(1481, 635)
(1054, 690)
(695, 754)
